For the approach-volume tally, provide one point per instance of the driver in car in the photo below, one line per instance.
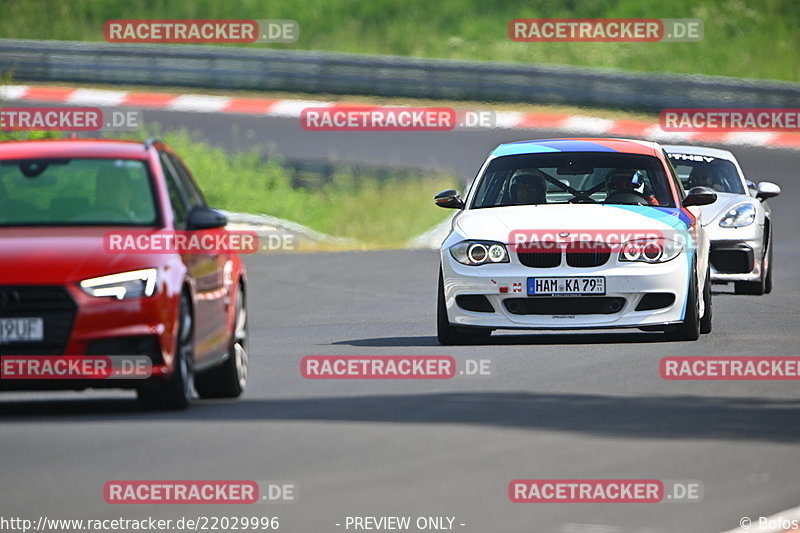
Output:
(703, 176)
(528, 187)
(113, 193)
(626, 186)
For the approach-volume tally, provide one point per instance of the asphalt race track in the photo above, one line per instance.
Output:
(565, 406)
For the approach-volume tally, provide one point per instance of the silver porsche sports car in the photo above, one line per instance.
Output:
(739, 223)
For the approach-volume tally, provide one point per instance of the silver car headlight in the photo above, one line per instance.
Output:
(133, 284)
(739, 216)
(650, 250)
(476, 253)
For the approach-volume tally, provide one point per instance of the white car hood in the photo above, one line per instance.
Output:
(497, 223)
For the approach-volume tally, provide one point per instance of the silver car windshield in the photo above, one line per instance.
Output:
(705, 171)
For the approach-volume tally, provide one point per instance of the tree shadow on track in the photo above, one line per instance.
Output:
(644, 417)
(510, 339)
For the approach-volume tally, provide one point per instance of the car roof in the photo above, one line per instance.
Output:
(74, 148)
(699, 150)
(625, 146)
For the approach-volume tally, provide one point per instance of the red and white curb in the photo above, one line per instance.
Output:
(288, 108)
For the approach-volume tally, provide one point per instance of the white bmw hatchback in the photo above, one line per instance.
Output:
(574, 234)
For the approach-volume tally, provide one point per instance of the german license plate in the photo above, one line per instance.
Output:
(566, 285)
(21, 330)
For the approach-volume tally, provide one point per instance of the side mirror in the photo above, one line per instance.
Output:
(202, 217)
(700, 196)
(766, 190)
(449, 199)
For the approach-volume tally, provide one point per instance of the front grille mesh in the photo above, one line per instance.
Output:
(550, 256)
(53, 304)
(544, 255)
(587, 256)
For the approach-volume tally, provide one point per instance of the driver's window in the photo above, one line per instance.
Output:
(193, 194)
(176, 199)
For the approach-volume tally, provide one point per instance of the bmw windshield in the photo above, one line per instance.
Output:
(563, 178)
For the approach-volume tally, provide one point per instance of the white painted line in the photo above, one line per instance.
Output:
(508, 119)
(656, 133)
(788, 520)
(13, 92)
(94, 97)
(588, 124)
(751, 138)
(292, 108)
(199, 103)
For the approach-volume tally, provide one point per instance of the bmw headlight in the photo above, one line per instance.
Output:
(650, 250)
(133, 284)
(476, 253)
(739, 216)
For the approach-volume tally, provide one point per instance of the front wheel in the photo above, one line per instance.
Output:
(176, 392)
(449, 334)
(768, 277)
(705, 322)
(689, 328)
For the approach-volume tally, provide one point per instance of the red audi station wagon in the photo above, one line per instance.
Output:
(62, 292)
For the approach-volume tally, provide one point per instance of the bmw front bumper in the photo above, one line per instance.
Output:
(625, 304)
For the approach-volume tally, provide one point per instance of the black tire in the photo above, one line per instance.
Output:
(175, 393)
(768, 277)
(229, 379)
(705, 322)
(689, 328)
(449, 334)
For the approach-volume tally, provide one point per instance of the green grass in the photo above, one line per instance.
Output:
(381, 213)
(743, 38)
